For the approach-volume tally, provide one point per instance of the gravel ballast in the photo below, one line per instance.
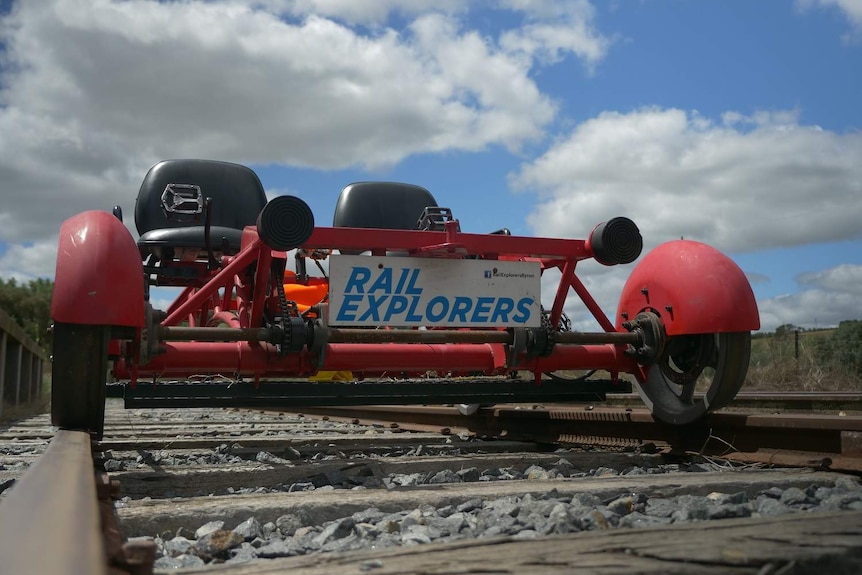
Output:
(518, 516)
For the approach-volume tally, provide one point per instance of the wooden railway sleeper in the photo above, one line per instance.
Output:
(123, 558)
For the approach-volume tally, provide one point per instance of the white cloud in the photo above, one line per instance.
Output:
(221, 79)
(845, 278)
(741, 184)
(808, 309)
(373, 13)
(828, 297)
(162, 297)
(551, 29)
(852, 10)
(554, 29)
(25, 262)
(92, 93)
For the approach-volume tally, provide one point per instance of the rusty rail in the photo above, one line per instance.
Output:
(829, 440)
(774, 400)
(54, 505)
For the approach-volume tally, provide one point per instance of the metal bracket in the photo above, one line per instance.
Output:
(320, 337)
(520, 338)
(651, 331)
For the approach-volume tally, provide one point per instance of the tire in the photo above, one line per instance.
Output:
(78, 383)
(687, 362)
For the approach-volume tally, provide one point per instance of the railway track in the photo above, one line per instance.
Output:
(828, 441)
(771, 401)
(362, 490)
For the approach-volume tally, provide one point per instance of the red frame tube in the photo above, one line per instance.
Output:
(363, 357)
(608, 357)
(184, 359)
(245, 258)
(416, 241)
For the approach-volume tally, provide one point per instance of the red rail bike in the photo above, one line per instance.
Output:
(404, 306)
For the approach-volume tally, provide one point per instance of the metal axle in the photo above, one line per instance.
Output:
(353, 335)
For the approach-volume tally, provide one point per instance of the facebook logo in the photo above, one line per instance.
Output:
(487, 274)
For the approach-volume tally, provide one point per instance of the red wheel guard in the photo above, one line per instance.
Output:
(693, 287)
(99, 279)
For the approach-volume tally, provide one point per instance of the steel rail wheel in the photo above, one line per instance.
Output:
(718, 362)
(78, 383)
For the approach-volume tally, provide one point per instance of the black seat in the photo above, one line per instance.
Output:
(386, 205)
(169, 212)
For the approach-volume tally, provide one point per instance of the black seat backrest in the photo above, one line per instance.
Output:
(387, 205)
(236, 192)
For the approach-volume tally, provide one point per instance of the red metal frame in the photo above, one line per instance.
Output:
(693, 288)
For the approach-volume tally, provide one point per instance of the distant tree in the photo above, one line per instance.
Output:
(786, 329)
(30, 306)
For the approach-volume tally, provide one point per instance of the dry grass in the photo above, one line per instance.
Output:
(775, 367)
(14, 413)
(41, 405)
(778, 364)
(800, 376)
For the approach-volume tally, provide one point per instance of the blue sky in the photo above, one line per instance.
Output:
(735, 123)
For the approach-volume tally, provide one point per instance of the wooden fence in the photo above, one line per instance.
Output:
(22, 362)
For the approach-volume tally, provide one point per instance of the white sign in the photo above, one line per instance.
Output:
(433, 292)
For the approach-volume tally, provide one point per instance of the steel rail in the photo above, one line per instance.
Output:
(800, 395)
(774, 400)
(717, 434)
(54, 505)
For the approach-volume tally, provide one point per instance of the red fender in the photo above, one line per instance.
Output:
(100, 277)
(693, 287)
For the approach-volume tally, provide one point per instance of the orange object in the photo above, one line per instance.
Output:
(305, 295)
